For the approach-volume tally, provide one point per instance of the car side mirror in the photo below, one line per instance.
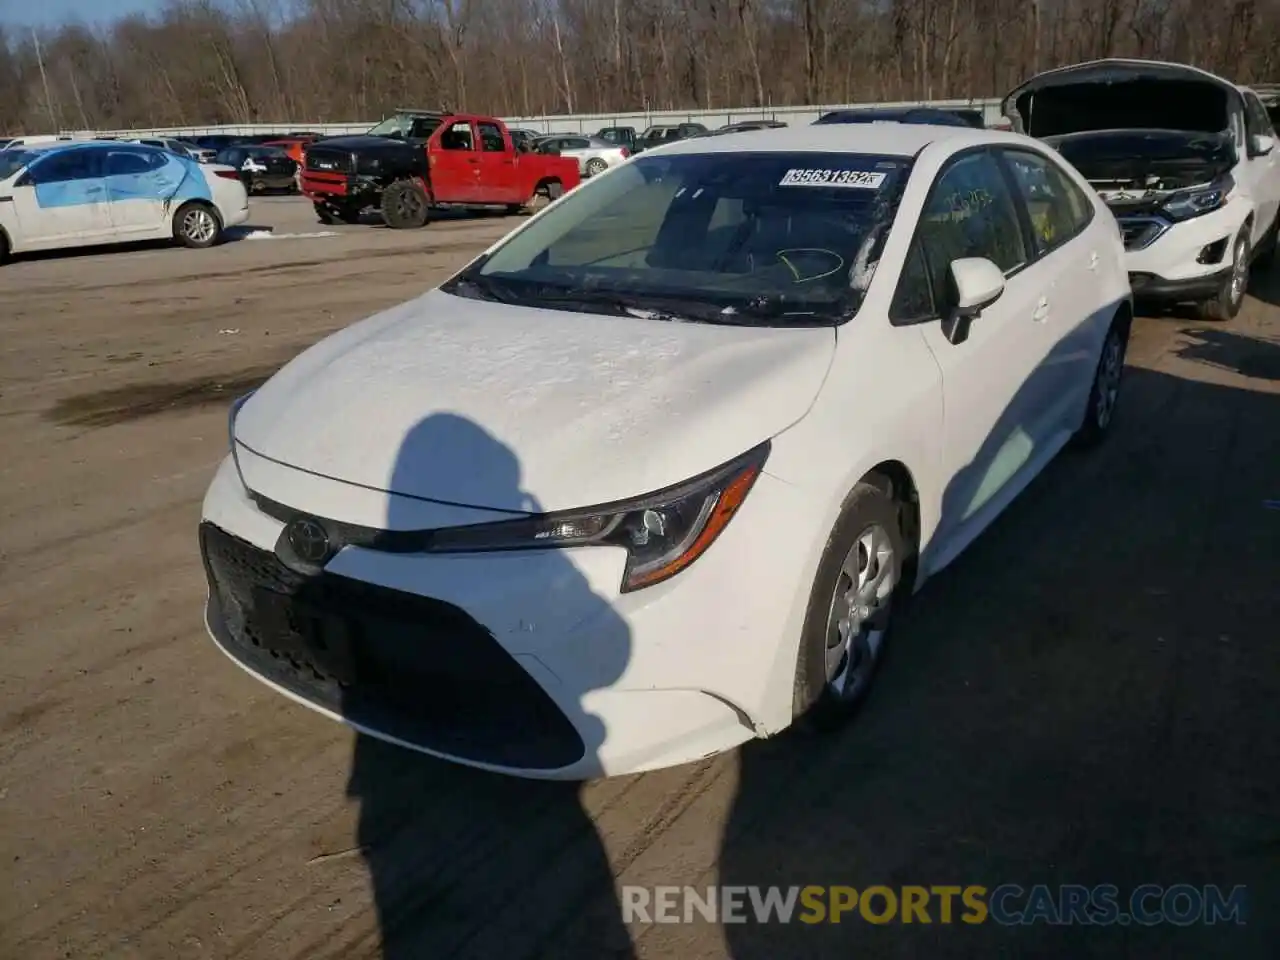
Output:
(1260, 145)
(976, 283)
(24, 180)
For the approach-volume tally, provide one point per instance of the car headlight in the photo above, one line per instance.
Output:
(663, 533)
(1192, 203)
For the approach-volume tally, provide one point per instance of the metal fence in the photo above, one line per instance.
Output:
(575, 123)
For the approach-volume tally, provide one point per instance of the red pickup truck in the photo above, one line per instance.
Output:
(420, 159)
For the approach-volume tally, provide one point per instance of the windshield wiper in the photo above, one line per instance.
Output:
(643, 306)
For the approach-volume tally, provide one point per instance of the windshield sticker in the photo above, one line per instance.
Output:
(848, 179)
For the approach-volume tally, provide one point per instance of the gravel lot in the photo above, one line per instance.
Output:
(1089, 695)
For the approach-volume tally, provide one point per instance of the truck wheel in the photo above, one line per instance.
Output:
(543, 195)
(404, 205)
(326, 214)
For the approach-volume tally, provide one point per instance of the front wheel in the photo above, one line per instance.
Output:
(404, 205)
(1226, 304)
(196, 225)
(851, 605)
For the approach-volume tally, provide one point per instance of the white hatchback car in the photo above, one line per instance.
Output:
(646, 478)
(91, 192)
(1186, 160)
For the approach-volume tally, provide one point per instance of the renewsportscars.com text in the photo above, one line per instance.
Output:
(1008, 904)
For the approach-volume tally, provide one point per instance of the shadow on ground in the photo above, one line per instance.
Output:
(1079, 699)
(447, 847)
(1247, 356)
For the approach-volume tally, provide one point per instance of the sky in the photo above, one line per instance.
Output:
(51, 13)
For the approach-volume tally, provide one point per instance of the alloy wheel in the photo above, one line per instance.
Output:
(199, 226)
(860, 606)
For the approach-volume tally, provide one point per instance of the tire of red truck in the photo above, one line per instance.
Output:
(543, 194)
(405, 205)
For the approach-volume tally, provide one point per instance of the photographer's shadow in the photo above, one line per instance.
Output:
(463, 862)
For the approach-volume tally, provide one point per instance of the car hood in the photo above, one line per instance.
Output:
(522, 409)
(1120, 94)
(360, 141)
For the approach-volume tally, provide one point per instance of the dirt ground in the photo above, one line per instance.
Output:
(1089, 695)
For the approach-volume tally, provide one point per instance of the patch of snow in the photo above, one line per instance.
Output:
(269, 235)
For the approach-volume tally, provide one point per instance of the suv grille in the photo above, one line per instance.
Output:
(411, 667)
(328, 160)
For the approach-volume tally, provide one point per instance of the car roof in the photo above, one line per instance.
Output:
(883, 139)
(87, 144)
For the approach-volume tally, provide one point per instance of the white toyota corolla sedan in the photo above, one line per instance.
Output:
(645, 479)
(88, 192)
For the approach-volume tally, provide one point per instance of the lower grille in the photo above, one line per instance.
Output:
(416, 669)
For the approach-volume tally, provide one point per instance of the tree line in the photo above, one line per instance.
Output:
(203, 62)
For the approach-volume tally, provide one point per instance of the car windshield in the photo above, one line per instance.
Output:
(774, 239)
(13, 160)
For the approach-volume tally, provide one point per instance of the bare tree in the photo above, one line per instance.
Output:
(298, 61)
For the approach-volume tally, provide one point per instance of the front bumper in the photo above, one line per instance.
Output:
(1173, 267)
(325, 187)
(529, 663)
(1148, 286)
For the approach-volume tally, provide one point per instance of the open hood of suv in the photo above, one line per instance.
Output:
(1147, 160)
(1120, 95)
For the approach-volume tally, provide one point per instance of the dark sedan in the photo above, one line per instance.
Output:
(261, 168)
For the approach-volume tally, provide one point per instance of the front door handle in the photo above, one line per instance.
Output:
(1042, 311)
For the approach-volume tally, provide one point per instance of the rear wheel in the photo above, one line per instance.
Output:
(850, 608)
(196, 225)
(1226, 304)
(543, 195)
(1105, 393)
(404, 205)
(4, 249)
(596, 166)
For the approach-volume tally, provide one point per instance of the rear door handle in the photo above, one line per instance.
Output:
(1093, 260)
(1042, 311)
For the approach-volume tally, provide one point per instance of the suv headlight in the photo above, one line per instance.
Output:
(1192, 203)
(663, 533)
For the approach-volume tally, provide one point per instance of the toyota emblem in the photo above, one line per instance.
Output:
(309, 540)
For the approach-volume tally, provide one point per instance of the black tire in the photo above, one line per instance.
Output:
(821, 701)
(197, 225)
(596, 166)
(1104, 394)
(1230, 296)
(405, 205)
(543, 195)
(4, 248)
(1266, 255)
(326, 214)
